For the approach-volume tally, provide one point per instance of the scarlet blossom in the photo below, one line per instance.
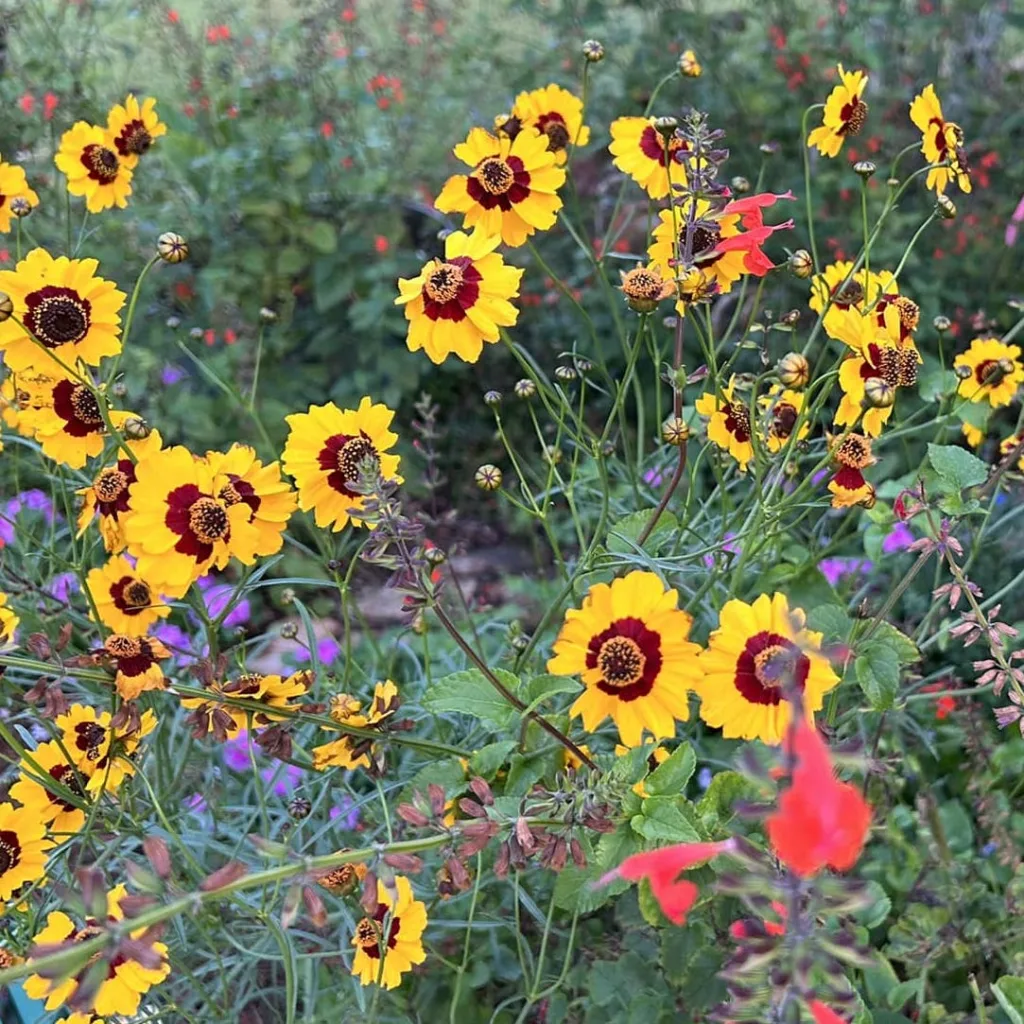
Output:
(349, 14)
(327, 130)
(50, 103)
(189, 110)
(232, 111)
(381, 244)
(743, 929)
(347, 162)
(173, 16)
(823, 1015)
(820, 822)
(209, 335)
(27, 102)
(230, 337)
(662, 869)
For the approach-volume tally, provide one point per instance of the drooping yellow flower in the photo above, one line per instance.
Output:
(88, 158)
(212, 714)
(512, 190)
(100, 751)
(325, 453)
(64, 817)
(689, 66)
(13, 185)
(124, 599)
(238, 476)
(389, 942)
(127, 981)
(852, 455)
(844, 115)
(758, 651)
(554, 112)
(942, 142)
(137, 661)
(628, 643)
(178, 526)
(728, 422)
(351, 751)
(996, 372)
(65, 307)
(456, 304)
(782, 407)
(133, 128)
(8, 620)
(639, 151)
(23, 846)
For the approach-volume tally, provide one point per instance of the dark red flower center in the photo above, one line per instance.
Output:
(451, 288)
(130, 596)
(89, 737)
(239, 490)
(370, 932)
(784, 420)
(111, 487)
(10, 851)
(134, 139)
(704, 239)
(652, 145)
(101, 163)
(343, 457)
(57, 316)
(628, 656)
(553, 126)
(737, 420)
(499, 182)
(849, 478)
(67, 777)
(985, 369)
(77, 406)
(768, 666)
(200, 520)
(853, 115)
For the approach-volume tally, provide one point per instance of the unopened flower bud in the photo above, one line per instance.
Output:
(963, 372)
(794, 371)
(267, 315)
(740, 184)
(287, 596)
(520, 643)
(488, 477)
(299, 808)
(790, 319)
(172, 323)
(800, 264)
(879, 393)
(289, 630)
(893, 182)
(21, 207)
(942, 324)
(593, 51)
(608, 448)
(119, 390)
(674, 431)
(172, 248)
(434, 555)
(6, 307)
(865, 168)
(566, 374)
(525, 388)
(583, 365)
(945, 206)
(769, 148)
(136, 428)
(196, 334)
(665, 125)
(492, 398)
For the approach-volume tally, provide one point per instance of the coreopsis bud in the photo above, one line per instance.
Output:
(945, 207)
(879, 393)
(196, 334)
(593, 51)
(794, 371)
(289, 630)
(136, 428)
(552, 454)
(6, 307)
(299, 808)
(800, 264)
(583, 366)
(740, 184)
(566, 374)
(267, 315)
(865, 168)
(769, 148)
(288, 597)
(674, 431)
(488, 477)
(492, 398)
(665, 125)
(172, 323)
(525, 388)
(21, 207)
(689, 66)
(963, 372)
(434, 555)
(172, 248)
(942, 324)
(790, 319)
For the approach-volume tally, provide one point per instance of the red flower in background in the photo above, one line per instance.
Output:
(27, 102)
(823, 1015)
(349, 14)
(745, 929)
(327, 130)
(230, 337)
(217, 34)
(50, 103)
(173, 16)
(381, 244)
(820, 822)
(209, 335)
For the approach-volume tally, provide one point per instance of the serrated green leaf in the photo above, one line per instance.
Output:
(905, 648)
(957, 467)
(623, 535)
(542, 687)
(667, 819)
(672, 775)
(469, 693)
(322, 236)
(715, 806)
(878, 672)
(831, 621)
(487, 760)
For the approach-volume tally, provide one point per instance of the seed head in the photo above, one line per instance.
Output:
(21, 207)
(267, 315)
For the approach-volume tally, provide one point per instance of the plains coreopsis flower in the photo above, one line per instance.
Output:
(628, 643)
(728, 422)
(327, 450)
(848, 301)
(819, 822)
(554, 112)
(106, 498)
(88, 158)
(62, 816)
(852, 455)
(457, 303)
(8, 620)
(127, 981)
(23, 847)
(349, 751)
(942, 142)
(993, 372)
(179, 526)
(136, 660)
(238, 476)
(64, 307)
(101, 751)
(782, 408)
(512, 190)
(13, 185)
(125, 601)
(640, 151)
(389, 942)
(662, 869)
(133, 127)
(844, 115)
(755, 655)
(213, 714)
(1007, 445)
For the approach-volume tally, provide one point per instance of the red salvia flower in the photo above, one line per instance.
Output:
(820, 822)
(823, 1015)
(50, 104)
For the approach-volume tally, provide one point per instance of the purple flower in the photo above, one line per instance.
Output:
(33, 500)
(284, 782)
(346, 814)
(63, 586)
(327, 649)
(216, 597)
(196, 803)
(171, 375)
(654, 477)
(834, 569)
(899, 539)
(236, 752)
(728, 546)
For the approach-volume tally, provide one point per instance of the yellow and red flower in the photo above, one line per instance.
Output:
(13, 185)
(853, 301)
(212, 714)
(389, 942)
(628, 643)
(350, 751)
(23, 847)
(133, 127)
(896, 365)
(728, 422)
(101, 752)
(64, 307)
(137, 661)
(326, 451)
(512, 190)
(757, 653)
(782, 407)
(125, 600)
(844, 115)
(1007, 445)
(127, 980)
(992, 372)
(8, 620)
(852, 455)
(456, 304)
(554, 112)
(640, 151)
(88, 158)
(942, 142)
(61, 815)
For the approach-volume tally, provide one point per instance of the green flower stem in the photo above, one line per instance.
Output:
(130, 317)
(807, 182)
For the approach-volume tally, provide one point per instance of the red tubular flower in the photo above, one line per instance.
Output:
(755, 232)
(823, 1015)
(662, 869)
(820, 822)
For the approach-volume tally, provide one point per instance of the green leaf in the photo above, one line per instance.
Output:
(878, 672)
(1010, 993)
(974, 413)
(831, 621)
(322, 236)
(487, 760)
(666, 819)
(623, 535)
(469, 693)
(874, 914)
(935, 383)
(526, 769)
(539, 688)
(672, 775)
(905, 648)
(715, 806)
(956, 466)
